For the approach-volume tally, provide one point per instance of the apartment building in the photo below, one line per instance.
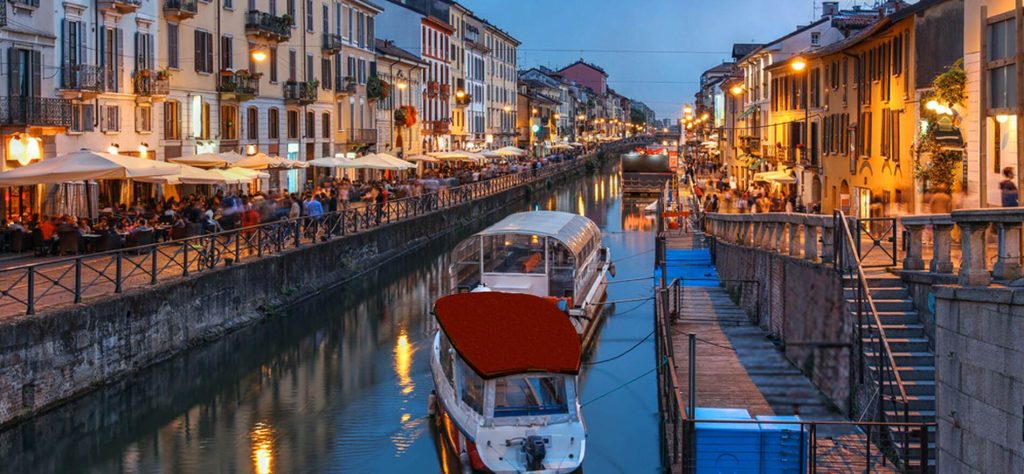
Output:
(360, 89)
(467, 70)
(405, 74)
(500, 76)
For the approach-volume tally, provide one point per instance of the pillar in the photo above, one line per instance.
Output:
(794, 239)
(942, 261)
(810, 242)
(915, 235)
(972, 266)
(1007, 265)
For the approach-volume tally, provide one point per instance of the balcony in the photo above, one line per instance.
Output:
(264, 25)
(238, 86)
(43, 112)
(360, 136)
(446, 91)
(332, 44)
(437, 127)
(151, 84)
(82, 81)
(121, 6)
(433, 89)
(3, 16)
(302, 93)
(346, 87)
(180, 9)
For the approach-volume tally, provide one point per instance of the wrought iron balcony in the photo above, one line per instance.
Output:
(151, 84)
(180, 9)
(332, 44)
(3, 15)
(446, 91)
(35, 112)
(80, 79)
(302, 93)
(359, 135)
(240, 86)
(121, 6)
(346, 86)
(264, 25)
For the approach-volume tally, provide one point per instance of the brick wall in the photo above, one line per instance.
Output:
(800, 303)
(979, 363)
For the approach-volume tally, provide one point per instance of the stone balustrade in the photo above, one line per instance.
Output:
(806, 236)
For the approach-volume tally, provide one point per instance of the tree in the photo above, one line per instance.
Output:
(637, 117)
(949, 90)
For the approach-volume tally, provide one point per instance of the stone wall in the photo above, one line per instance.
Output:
(979, 363)
(48, 358)
(922, 291)
(798, 302)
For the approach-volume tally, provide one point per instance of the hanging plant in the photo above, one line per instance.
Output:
(377, 88)
(400, 116)
(410, 115)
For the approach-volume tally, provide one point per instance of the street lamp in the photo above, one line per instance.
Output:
(259, 55)
(736, 90)
(799, 65)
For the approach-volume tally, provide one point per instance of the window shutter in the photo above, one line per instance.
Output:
(88, 118)
(14, 70)
(138, 119)
(373, 68)
(209, 52)
(138, 51)
(119, 58)
(150, 56)
(198, 57)
(37, 73)
(66, 52)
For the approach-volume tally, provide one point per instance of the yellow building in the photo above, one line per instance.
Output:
(405, 73)
(500, 77)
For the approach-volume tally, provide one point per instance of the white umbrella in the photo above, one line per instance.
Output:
(326, 162)
(490, 154)
(560, 146)
(576, 144)
(202, 160)
(379, 161)
(425, 158)
(85, 165)
(187, 175)
(510, 151)
(262, 161)
(456, 156)
(248, 173)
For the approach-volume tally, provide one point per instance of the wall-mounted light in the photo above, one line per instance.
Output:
(1002, 118)
(113, 149)
(259, 55)
(24, 149)
(508, 108)
(143, 150)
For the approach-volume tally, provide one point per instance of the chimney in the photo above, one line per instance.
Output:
(829, 9)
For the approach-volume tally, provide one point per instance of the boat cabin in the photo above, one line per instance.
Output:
(541, 253)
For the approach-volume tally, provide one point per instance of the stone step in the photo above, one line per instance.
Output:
(902, 330)
(913, 416)
(917, 372)
(905, 344)
(923, 359)
(884, 305)
(880, 281)
(880, 293)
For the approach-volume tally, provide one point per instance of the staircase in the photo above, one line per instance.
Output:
(914, 359)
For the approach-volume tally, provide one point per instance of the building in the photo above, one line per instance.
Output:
(536, 124)
(360, 89)
(469, 121)
(587, 75)
(501, 77)
(404, 72)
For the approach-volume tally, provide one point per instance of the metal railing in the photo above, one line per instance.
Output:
(37, 111)
(182, 6)
(242, 84)
(261, 22)
(332, 43)
(83, 77)
(149, 83)
(303, 92)
(359, 135)
(891, 394)
(24, 289)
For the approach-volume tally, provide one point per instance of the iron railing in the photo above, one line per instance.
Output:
(26, 288)
(261, 23)
(3, 14)
(241, 84)
(149, 83)
(359, 135)
(304, 92)
(83, 77)
(332, 43)
(35, 111)
(188, 7)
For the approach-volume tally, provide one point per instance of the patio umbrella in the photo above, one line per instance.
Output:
(263, 161)
(248, 173)
(187, 175)
(424, 158)
(560, 146)
(490, 154)
(202, 160)
(379, 161)
(576, 144)
(84, 165)
(327, 162)
(456, 156)
(510, 151)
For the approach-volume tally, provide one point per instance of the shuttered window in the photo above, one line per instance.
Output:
(173, 56)
(203, 52)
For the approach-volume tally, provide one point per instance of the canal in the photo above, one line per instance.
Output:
(340, 383)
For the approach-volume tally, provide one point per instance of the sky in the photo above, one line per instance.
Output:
(653, 50)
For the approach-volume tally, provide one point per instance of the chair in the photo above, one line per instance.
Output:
(17, 241)
(195, 229)
(145, 238)
(110, 241)
(39, 243)
(178, 233)
(69, 242)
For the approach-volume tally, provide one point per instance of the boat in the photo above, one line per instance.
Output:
(550, 254)
(645, 171)
(505, 369)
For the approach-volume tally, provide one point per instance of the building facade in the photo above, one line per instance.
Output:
(404, 72)
(500, 75)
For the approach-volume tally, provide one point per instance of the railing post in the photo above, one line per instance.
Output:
(238, 237)
(942, 261)
(78, 280)
(810, 241)
(152, 265)
(972, 266)
(828, 250)
(298, 232)
(915, 235)
(794, 239)
(924, 450)
(259, 242)
(780, 237)
(30, 301)
(184, 255)
(117, 275)
(1007, 265)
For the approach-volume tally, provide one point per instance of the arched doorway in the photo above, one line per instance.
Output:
(816, 191)
(844, 197)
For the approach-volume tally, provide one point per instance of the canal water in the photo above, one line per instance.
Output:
(340, 383)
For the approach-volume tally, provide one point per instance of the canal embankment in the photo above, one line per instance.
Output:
(65, 351)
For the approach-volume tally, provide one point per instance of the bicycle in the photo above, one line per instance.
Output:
(207, 256)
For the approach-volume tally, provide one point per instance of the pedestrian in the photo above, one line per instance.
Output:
(1008, 189)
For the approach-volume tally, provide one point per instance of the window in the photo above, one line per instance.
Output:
(291, 10)
(172, 120)
(1002, 72)
(325, 125)
(293, 124)
(229, 4)
(173, 59)
(204, 52)
(309, 16)
(252, 61)
(472, 390)
(310, 73)
(815, 39)
(225, 53)
(864, 130)
(530, 396)
(273, 124)
(325, 73)
(144, 119)
(111, 120)
(360, 32)
(252, 123)
(362, 71)
(82, 118)
(291, 65)
(204, 125)
(228, 122)
(273, 64)
(310, 125)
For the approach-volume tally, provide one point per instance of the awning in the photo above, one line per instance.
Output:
(747, 112)
(85, 165)
(781, 177)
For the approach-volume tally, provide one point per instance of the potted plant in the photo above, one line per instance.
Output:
(400, 116)
(163, 74)
(377, 88)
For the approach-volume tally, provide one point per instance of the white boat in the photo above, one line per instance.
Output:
(505, 369)
(554, 255)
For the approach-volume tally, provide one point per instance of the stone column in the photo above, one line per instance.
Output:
(794, 239)
(778, 239)
(1007, 265)
(942, 261)
(810, 242)
(972, 265)
(913, 259)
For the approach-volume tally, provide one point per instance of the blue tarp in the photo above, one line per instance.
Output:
(692, 267)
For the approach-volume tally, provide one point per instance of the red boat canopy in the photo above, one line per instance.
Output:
(499, 334)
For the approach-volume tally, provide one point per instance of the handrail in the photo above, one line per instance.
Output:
(884, 341)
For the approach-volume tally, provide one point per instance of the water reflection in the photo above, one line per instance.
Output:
(340, 384)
